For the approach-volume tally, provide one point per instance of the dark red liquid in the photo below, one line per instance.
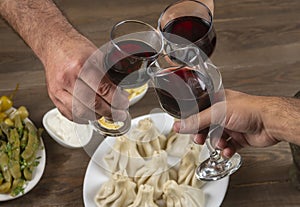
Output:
(194, 29)
(182, 92)
(128, 68)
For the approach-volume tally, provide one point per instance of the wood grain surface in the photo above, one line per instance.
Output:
(258, 47)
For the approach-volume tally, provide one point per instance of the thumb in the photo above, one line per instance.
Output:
(194, 123)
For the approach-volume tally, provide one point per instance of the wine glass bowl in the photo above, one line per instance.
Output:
(132, 47)
(181, 86)
(185, 22)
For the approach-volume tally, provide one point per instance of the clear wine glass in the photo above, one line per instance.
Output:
(187, 86)
(133, 46)
(185, 22)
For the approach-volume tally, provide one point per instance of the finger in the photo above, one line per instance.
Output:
(228, 152)
(237, 138)
(83, 94)
(94, 76)
(65, 111)
(200, 138)
(222, 144)
(76, 111)
(232, 147)
(223, 141)
(73, 109)
(194, 123)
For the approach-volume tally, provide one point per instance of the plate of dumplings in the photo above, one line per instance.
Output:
(150, 166)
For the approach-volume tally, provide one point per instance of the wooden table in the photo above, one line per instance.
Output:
(257, 52)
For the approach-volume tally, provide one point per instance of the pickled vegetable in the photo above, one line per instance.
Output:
(5, 103)
(19, 144)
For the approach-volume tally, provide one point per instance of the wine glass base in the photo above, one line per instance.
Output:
(215, 169)
(112, 132)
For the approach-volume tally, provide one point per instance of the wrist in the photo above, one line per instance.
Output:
(281, 118)
(63, 47)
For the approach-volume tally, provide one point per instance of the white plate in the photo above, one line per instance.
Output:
(66, 133)
(139, 96)
(37, 173)
(95, 175)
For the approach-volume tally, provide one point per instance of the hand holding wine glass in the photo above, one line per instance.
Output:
(184, 88)
(133, 46)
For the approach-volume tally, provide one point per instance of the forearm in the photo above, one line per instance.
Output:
(40, 24)
(281, 117)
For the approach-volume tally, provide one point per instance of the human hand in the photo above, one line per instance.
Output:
(79, 88)
(77, 84)
(244, 124)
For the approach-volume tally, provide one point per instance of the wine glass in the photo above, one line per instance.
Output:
(187, 86)
(185, 22)
(133, 46)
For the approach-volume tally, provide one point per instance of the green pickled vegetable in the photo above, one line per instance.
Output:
(19, 144)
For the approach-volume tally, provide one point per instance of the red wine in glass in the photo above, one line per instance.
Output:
(127, 62)
(182, 91)
(191, 29)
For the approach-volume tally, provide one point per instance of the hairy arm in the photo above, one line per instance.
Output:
(79, 94)
(256, 121)
(281, 117)
(41, 25)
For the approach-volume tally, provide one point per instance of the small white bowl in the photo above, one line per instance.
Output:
(141, 92)
(65, 132)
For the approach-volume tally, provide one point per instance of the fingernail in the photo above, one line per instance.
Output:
(176, 126)
(195, 140)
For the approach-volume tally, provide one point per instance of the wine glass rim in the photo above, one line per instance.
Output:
(177, 66)
(142, 23)
(181, 1)
(220, 85)
(170, 69)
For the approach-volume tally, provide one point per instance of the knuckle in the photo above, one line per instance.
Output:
(68, 74)
(80, 115)
(104, 88)
(99, 106)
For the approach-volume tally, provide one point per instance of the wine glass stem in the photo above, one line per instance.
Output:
(211, 149)
(214, 154)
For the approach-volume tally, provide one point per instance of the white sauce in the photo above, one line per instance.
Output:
(66, 130)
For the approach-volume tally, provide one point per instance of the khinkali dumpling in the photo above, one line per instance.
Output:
(177, 143)
(182, 195)
(119, 191)
(154, 173)
(147, 137)
(124, 156)
(188, 166)
(144, 197)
